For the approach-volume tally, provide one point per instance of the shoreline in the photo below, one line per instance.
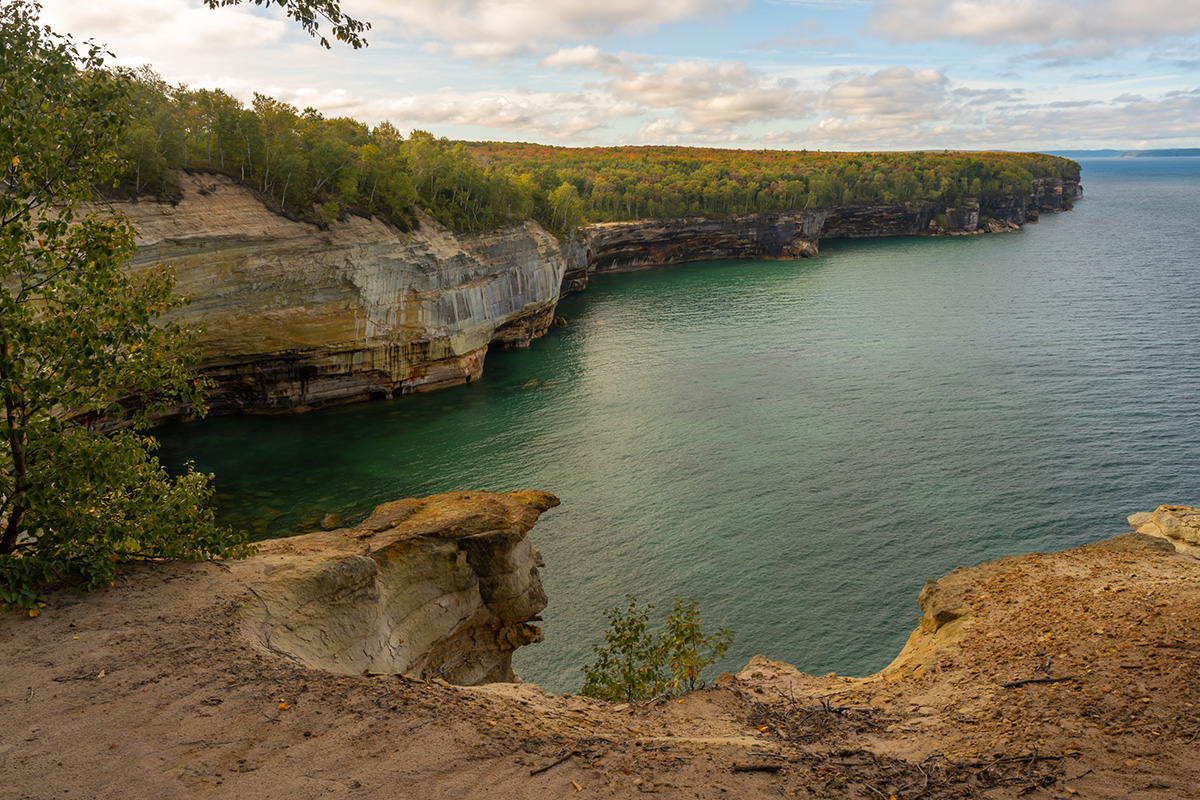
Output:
(1069, 673)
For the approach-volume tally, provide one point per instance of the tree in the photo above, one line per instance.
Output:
(83, 346)
(308, 12)
(634, 664)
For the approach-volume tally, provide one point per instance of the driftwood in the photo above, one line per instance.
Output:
(1014, 684)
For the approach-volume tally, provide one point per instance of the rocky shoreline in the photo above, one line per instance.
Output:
(296, 317)
(1047, 675)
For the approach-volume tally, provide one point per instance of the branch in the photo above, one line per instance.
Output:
(1014, 684)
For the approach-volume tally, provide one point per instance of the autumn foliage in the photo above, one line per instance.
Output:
(321, 169)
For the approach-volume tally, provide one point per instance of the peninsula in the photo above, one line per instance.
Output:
(331, 262)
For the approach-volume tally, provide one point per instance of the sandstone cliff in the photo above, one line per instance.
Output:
(297, 317)
(624, 246)
(438, 587)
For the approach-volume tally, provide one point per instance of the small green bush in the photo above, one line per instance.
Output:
(634, 664)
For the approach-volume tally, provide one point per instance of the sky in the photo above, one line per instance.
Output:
(1042, 75)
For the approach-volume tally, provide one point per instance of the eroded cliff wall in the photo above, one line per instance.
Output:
(297, 317)
(436, 587)
(624, 246)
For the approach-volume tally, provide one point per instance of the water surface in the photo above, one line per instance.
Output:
(799, 445)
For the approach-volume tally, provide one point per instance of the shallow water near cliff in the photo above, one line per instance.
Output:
(799, 445)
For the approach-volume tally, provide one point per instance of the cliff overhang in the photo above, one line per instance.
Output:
(442, 587)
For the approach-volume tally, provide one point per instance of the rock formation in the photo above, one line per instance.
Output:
(297, 317)
(624, 246)
(1050, 675)
(1179, 525)
(438, 587)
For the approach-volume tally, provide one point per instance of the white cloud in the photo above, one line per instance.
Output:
(900, 95)
(1067, 29)
(496, 28)
(587, 57)
(1175, 115)
(718, 95)
(674, 131)
(138, 30)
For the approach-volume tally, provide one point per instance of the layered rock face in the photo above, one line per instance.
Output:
(620, 246)
(624, 246)
(438, 587)
(1179, 525)
(298, 317)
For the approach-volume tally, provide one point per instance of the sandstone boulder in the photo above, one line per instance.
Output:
(437, 587)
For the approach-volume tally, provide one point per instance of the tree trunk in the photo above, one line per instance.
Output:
(16, 443)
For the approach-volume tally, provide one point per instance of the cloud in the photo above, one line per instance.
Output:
(546, 116)
(674, 131)
(498, 28)
(1066, 30)
(719, 95)
(158, 27)
(586, 57)
(1118, 121)
(1175, 116)
(803, 35)
(899, 94)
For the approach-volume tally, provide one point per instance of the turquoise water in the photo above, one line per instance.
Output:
(800, 445)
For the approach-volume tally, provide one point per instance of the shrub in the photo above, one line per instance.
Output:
(634, 664)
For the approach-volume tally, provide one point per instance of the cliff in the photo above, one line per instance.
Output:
(624, 246)
(1046, 675)
(295, 316)
(438, 587)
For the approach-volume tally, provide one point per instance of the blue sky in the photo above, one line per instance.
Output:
(817, 74)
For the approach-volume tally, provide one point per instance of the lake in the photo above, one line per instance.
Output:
(798, 445)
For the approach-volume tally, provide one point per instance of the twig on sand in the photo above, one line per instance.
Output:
(551, 765)
(1014, 684)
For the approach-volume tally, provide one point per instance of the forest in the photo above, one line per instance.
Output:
(319, 169)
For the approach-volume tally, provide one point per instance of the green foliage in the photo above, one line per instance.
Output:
(83, 346)
(301, 162)
(629, 183)
(309, 13)
(688, 649)
(634, 664)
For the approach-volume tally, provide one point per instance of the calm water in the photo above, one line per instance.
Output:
(800, 445)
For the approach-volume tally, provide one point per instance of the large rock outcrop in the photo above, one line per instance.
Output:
(1179, 525)
(619, 246)
(298, 317)
(437, 587)
(625, 246)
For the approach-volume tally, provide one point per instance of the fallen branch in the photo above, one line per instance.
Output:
(551, 765)
(1014, 684)
(757, 767)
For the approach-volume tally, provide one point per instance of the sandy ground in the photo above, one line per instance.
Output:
(149, 690)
